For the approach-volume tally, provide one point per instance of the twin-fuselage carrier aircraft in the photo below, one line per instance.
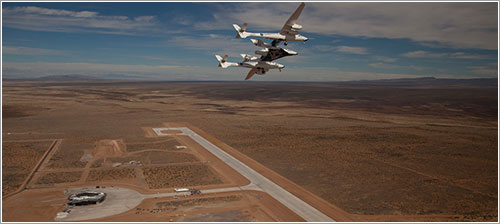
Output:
(270, 52)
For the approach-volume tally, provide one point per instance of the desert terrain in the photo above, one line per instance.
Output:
(401, 150)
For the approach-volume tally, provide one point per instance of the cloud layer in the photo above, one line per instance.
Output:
(57, 20)
(458, 25)
(458, 55)
(30, 51)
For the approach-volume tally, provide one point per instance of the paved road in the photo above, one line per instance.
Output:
(294, 203)
(119, 200)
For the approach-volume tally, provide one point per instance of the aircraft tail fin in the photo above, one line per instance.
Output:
(241, 31)
(223, 61)
(259, 42)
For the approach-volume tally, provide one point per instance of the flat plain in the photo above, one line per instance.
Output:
(401, 150)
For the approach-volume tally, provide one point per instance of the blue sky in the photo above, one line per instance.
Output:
(177, 41)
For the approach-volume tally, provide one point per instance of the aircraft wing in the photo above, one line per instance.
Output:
(289, 23)
(251, 73)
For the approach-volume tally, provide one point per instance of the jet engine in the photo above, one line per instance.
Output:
(262, 52)
(261, 71)
(296, 26)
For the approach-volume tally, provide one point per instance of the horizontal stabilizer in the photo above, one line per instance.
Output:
(259, 43)
(247, 57)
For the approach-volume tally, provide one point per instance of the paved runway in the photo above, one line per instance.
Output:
(119, 200)
(294, 203)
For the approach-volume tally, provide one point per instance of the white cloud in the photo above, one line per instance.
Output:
(324, 48)
(423, 54)
(458, 55)
(52, 12)
(30, 51)
(352, 50)
(483, 70)
(385, 59)
(462, 55)
(459, 25)
(57, 20)
(384, 65)
(214, 44)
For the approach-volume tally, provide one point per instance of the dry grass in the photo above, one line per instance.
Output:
(369, 148)
(18, 160)
(12, 181)
(111, 174)
(59, 177)
(164, 145)
(179, 176)
(68, 155)
(170, 157)
(155, 158)
(173, 205)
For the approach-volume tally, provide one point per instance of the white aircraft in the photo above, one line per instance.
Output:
(289, 32)
(257, 66)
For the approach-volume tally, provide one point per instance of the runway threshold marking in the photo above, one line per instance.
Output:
(301, 208)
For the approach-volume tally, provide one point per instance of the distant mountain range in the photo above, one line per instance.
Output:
(428, 81)
(68, 78)
(59, 78)
(399, 81)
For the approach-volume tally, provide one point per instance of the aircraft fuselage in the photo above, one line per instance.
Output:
(277, 36)
(261, 64)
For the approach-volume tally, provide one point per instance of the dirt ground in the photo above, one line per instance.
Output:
(244, 206)
(59, 177)
(378, 151)
(178, 176)
(18, 160)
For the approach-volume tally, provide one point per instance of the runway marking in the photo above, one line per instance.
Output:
(159, 131)
(258, 181)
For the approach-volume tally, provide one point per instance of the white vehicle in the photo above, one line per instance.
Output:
(257, 66)
(289, 32)
(177, 190)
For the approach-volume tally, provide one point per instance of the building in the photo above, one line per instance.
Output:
(86, 198)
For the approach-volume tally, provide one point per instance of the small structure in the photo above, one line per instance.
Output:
(133, 162)
(180, 147)
(86, 198)
(63, 214)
